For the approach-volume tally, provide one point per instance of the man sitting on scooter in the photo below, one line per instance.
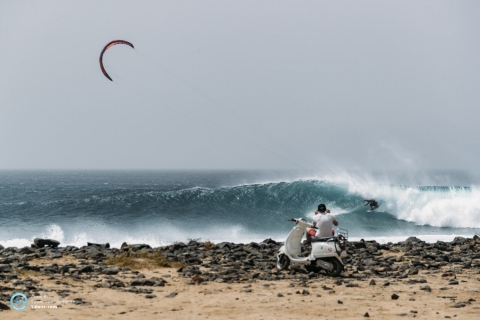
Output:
(324, 222)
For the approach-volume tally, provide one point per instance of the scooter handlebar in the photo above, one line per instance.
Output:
(295, 220)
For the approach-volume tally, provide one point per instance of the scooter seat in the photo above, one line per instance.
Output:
(325, 239)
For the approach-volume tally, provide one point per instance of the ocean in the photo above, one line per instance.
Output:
(162, 207)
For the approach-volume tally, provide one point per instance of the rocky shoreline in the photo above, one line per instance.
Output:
(201, 263)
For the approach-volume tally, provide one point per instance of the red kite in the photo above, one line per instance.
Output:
(111, 44)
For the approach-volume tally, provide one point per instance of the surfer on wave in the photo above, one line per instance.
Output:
(373, 204)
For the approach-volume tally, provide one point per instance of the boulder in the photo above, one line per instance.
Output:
(3, 306)
(56, 255)
(110, 271)
(98, 245)
(142, 282)
(135, 247)
(222, 245)
(178, 245)
(46, 242)
(412, 239)
(93, 252)
(27, 250)
(32, 268)
(269, 240)
(138, 247)
(360, 245)
(86, 269)
(5, 268)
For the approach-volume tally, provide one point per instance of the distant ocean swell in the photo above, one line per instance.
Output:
(249, 212)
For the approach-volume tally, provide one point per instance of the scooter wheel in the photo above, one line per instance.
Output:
(337, 268)
(282, 262)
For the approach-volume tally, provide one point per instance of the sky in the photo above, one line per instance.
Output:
(369, 85)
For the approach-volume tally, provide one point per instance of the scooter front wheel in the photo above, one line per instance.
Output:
(282, 262)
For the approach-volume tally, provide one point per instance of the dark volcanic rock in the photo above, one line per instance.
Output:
(56, 255)
(135, 247)
(142, 282)
(93, 252)
(110, 271)
(46, 242)
(80, 301)
(395, 296)
(171, 295)
(86, 269)
(27, 250)
(360, 245)
(102, 246)
(412, 239)
(5, 268)
(459, 305)
(223, 245)
(3, 306)
(268, 241)
(32, 268)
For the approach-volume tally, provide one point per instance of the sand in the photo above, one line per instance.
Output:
(264, 299)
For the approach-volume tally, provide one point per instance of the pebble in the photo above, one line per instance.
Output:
(171, 295)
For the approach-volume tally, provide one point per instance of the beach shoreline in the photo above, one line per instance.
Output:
(202, 280)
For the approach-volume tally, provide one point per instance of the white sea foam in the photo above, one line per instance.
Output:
(452, 207)
(426, 238)
(168, 234)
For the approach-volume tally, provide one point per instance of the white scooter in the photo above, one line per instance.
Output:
(326, 252)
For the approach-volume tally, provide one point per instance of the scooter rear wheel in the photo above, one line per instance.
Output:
(337, 268)
(282, 262)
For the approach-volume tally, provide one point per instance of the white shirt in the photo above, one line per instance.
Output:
(324, 223)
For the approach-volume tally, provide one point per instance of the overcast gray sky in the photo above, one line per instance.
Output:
(373, 84)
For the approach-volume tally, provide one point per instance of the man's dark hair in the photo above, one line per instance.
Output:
(322, 207)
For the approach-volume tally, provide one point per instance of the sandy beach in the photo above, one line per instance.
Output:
(448, 291)
(324, 299)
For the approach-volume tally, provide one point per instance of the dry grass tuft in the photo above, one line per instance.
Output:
(143, 260)
(208, 245)
(22, 273)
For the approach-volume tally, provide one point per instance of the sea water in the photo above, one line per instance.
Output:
(162, 207)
